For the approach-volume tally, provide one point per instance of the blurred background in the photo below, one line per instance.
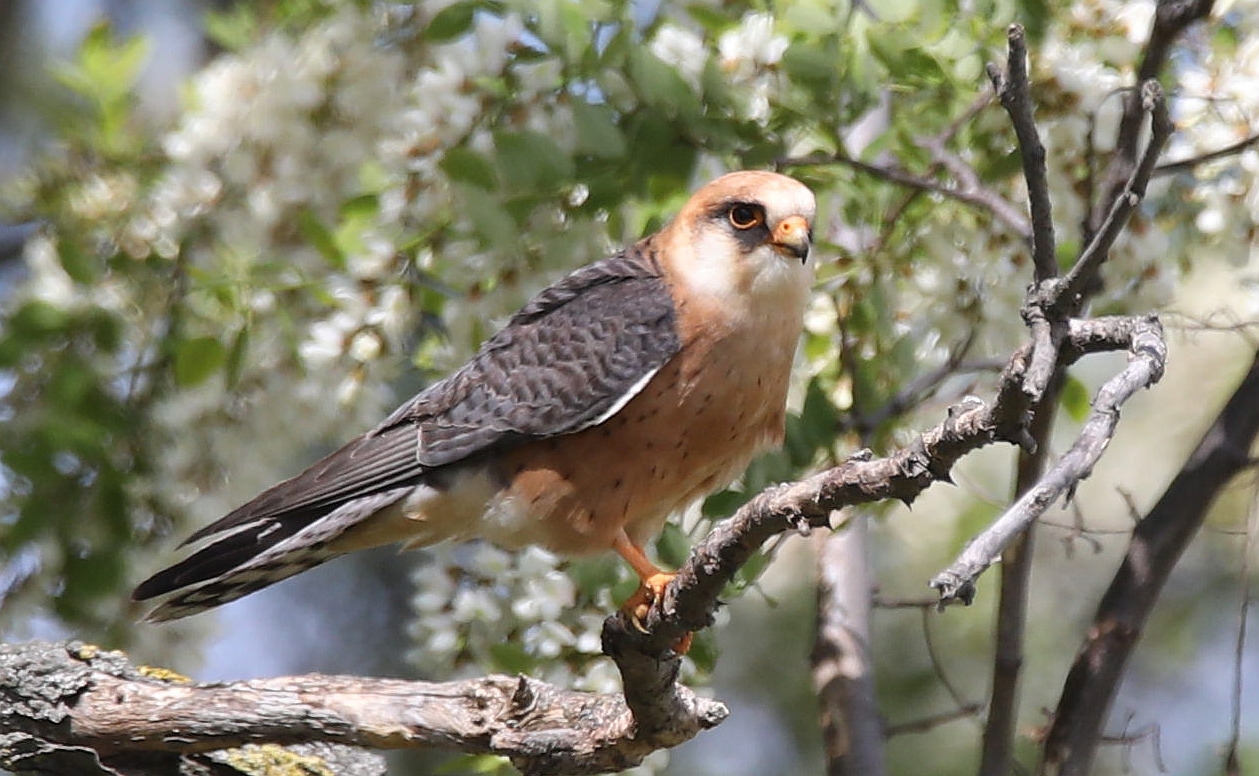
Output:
(234, 234)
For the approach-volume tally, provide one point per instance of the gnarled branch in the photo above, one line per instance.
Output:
(98, 707)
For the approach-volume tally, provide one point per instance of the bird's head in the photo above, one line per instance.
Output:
(745, 233)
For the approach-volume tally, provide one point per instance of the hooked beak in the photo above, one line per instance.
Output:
(791, 236)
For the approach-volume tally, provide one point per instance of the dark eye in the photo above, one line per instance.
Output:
(743, 216)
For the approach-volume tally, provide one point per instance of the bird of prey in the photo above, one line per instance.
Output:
(623, 393)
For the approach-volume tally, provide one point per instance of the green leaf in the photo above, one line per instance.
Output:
(1075, 399)
(467, 166)
(1066, 253)
(597, 132)
(490, 221)
(198, 358)
(234, 28)
(235, 361)
(37, 319)
(104, 70)
(724, 503)
(905, 61)
(105, 74)
(591, 575)
(811, 64)
(897, 11)
(750, 572)
(82, 266)
(659, 151)
(660, 85)
(704, 651)
(358, 215)
(362, 206)
(531, 161)
(819, 419)
(673, 546)
(313, 229)
(480, 764)
(453, 21)
(509, 656)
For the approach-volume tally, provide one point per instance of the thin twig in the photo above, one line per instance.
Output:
(1070, 293)
(937, 665)
(1014, 90)
(1186, 165)
(927, 724)
(916, 391)
(1052, 300)
(976, 195)
(967, 187)
(997, 745)
(1171, 18)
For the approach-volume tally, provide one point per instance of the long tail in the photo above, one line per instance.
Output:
(241, 557)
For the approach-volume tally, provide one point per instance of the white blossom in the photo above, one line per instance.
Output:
(681, 48)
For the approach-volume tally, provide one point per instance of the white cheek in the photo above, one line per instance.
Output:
(712, 273)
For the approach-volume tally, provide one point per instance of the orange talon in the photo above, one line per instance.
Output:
(653, 583)
(650, 591)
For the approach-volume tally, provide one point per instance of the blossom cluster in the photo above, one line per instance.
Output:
(747, 54)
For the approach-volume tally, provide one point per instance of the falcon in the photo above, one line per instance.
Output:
(623, 393)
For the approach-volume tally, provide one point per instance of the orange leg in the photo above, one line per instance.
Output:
(651, 588)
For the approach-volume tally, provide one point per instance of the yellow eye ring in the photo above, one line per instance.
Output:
(746, 216)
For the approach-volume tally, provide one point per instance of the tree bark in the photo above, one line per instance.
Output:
(76, 709)
(843, 667)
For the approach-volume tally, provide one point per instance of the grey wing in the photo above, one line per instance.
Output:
(568, 360)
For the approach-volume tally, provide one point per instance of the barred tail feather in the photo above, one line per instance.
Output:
(237, 583)
(244, 557)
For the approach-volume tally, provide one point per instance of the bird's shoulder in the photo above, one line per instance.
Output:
(567, 359)
(635, 270)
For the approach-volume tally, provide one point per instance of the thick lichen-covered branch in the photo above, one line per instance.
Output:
(92, 712)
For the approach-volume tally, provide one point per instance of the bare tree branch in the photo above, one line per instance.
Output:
(1049, 305)
(1070, 294)
(1051, 301)
(966, 187)
(1232, 760)
(930, 723)
(1156, 545)
(969, 190)
(997, 745)
(843, 665)
(1171, 18)
(1014, 90)
(1147, 357)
